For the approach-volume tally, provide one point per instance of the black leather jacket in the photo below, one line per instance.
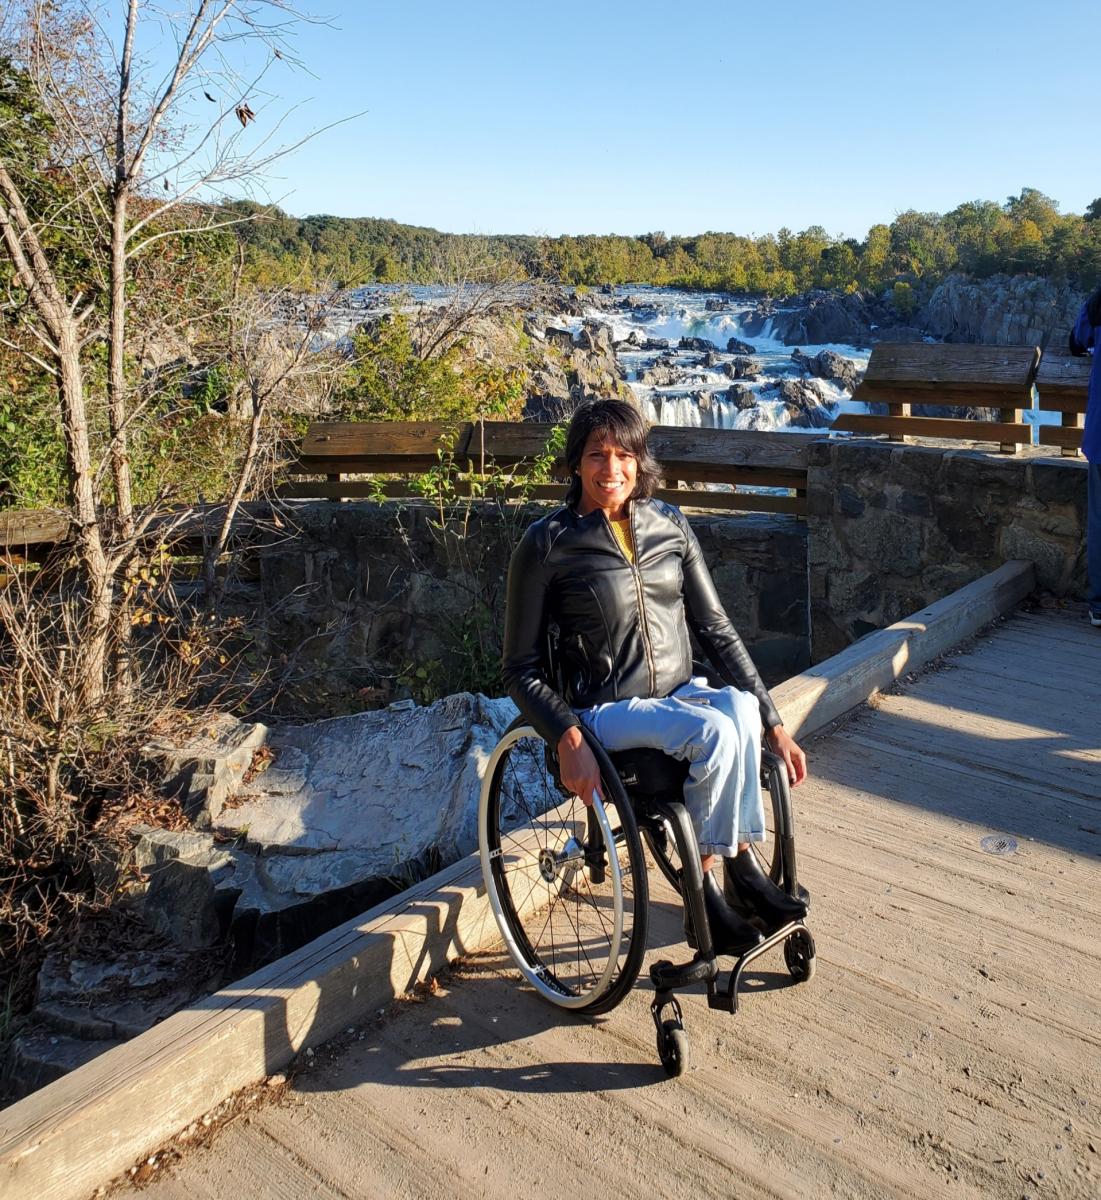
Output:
(623, 629)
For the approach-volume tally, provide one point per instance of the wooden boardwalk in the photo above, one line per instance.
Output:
(950, 1042)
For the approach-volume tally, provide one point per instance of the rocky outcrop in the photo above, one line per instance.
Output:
(349, 811)
(570, 370)
(737, 346)
(804, 403)
(88, 1003)
(825, 317)
(207, 766)
(1003, 310)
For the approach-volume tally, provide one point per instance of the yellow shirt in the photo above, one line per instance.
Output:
(622, 531)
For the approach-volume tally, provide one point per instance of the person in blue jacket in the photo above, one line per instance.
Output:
(1085, 338)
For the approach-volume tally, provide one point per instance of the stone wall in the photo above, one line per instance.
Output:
(894, 527)
(356, 592)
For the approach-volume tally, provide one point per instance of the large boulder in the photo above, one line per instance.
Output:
(742, 396)
(828, 364)
(742, 367)
(350, 811)
(595, 337)
(659, 375)
(804, 403)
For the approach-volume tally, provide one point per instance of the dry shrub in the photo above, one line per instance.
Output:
(74, 778)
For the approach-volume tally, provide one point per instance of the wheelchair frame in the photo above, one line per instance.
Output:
(643, 793)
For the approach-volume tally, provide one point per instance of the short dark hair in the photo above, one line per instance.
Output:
(620, 421)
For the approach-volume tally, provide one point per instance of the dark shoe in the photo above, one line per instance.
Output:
(730, 934)
(748, 887)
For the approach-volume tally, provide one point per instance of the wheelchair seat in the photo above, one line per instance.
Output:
(650, 772)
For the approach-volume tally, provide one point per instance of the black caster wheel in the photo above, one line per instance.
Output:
(799, 955)
(673, 1048)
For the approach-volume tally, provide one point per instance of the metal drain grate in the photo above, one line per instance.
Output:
(997, 843)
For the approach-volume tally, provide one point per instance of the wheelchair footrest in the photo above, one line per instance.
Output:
(667, 976)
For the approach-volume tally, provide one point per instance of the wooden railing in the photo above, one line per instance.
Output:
(1062, 384)
(742, 459)
(944, 375)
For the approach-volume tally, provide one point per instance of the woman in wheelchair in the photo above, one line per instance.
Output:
(622, 577)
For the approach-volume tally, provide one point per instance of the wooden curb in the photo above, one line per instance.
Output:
(83, 1130)
(70, 1137)
(810, 701)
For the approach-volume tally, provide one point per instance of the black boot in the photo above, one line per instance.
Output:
(750, 889)
(730, 934)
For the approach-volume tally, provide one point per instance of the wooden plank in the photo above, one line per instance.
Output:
(933, 367)
(1064, 402)
(340, 447)
(809, 701)
(678, 448)
(347, 446)
(734, 501)
(392, 489)
(1062, 374)
(32, 527)
(935, 427)
(898, 411)
(1058, 435)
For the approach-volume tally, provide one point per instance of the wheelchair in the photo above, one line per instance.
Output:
(567, 883)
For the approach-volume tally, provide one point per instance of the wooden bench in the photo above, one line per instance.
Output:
(903, 374)
(737, 457)
(1062, 384)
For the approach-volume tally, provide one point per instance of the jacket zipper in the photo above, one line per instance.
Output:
(643, 628)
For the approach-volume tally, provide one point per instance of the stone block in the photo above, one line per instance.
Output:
(1058, 482)
(782, 605)
(861, 461)
(986, 477)
(848, 502)
(778, 658)
(891, 541)
(1052, 566)
(854, 593)
(914, 504)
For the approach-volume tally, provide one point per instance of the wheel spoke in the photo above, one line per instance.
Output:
(578, 943)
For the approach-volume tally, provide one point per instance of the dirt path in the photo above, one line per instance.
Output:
(950, 1041)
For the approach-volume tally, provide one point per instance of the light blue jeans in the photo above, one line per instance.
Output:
(718, 730)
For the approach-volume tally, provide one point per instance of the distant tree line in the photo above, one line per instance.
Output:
(1025, 235)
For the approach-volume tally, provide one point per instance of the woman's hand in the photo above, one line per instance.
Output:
(789, 750)
(577, 766)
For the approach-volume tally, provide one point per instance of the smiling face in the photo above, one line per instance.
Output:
(608, 474)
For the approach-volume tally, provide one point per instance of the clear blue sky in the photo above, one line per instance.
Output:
(514, 117)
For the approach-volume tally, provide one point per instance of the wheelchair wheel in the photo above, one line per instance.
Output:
(673, 1048)
(799, 955)
(568, 890)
